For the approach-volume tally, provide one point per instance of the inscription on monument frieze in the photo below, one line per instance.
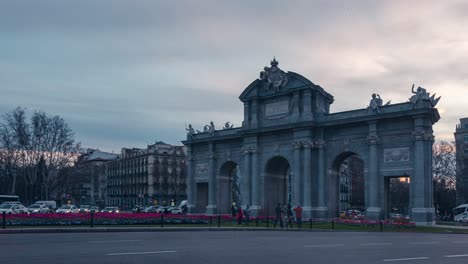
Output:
(201, 168)
(277, 108)
(396, 154)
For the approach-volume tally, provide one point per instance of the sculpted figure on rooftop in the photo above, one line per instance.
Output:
(274, 77)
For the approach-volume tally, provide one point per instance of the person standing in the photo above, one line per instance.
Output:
(289, 216)
(278, 218)
(233, 212)
(298, 211)
(240, 215)
(247, 214)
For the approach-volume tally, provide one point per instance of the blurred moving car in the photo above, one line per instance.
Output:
(38, 209)
(94, 209)
(13, 208)
(52, 205)
(174, 210)
(68, 209)
(84, 208)
(153, 209)
(111, 209)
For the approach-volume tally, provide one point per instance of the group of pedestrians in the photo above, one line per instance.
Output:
(238, 214)
(284, 216)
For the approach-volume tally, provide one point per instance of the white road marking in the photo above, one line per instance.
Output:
(456, 256)
(376, 244)
(460, 242)
(141, 253)
(404, 259)
(424, 243)
(113, 241)
(336, 245)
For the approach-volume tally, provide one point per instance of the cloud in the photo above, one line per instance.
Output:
(125, 72)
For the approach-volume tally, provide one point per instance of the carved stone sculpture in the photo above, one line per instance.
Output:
(211, 128)
(190, 131)
(274, 77)
(422, 95)
(228, 125)
(376, 103)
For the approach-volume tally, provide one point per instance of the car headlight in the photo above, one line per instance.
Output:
(117, 211)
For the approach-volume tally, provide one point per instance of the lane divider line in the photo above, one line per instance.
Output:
(312, 246)
(405, 259)
(141, 253)
(376, 244)
(114, 241)
(456, 256)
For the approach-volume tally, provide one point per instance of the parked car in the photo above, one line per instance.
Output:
(84, 208)
(111, 209)
(68, 209)
(152, 209)
(174, 210)
(138, 209)
(13, 208)
(38, 209)
(463, 219)
(94, 209)
(52, 205)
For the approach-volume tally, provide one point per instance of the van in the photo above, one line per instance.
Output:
(459, 212)
(51, 204)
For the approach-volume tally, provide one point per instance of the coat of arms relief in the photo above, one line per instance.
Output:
(274, 77)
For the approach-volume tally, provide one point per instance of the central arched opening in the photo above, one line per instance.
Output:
(348, 193)
(277, 184)
(228, 187)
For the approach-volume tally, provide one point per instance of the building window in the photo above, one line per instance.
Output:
(465, 138)
(466, 125)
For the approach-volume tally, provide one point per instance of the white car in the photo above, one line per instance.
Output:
(38, 209)
(67, 209)
(175, 210)
(13, 208)
(463, 219)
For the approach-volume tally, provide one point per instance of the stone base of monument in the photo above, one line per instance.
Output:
(319, 212)
(373, 213)
(423, 216)
(211, 210)
(306, 212)
(255, 210)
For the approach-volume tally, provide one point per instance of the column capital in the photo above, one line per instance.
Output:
(255, 150)
(296, 145)
(373, 140)
(320, 144)
(245, 150)
(212, 155)
(308, 144)
(422, 135)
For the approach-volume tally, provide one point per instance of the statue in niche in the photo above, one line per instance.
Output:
(274, 77)
(422, 94)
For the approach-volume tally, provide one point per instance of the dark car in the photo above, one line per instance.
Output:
(84, 208)
(94, 209)
(138, 209)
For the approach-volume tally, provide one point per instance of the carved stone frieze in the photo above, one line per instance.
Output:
(396, 154)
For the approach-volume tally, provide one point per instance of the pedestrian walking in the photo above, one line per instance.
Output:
(278, 216)
(298, 211)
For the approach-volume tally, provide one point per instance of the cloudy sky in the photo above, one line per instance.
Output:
(128, 73)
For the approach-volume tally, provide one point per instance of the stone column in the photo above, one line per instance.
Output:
(373, 208)
(307, 190)
(422, 212)
(190, 182)
(254, 114)
(307, 105)
(245, 178)
(296, 180)
(321, 210)
(255, 202)
(211, 208)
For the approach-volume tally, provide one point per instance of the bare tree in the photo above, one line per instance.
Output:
(444, 175)
(34, 151)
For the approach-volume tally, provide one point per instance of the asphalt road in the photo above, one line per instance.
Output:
(234, 247)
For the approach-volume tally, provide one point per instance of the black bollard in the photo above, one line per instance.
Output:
(256, 221)
(4, 220)
(92, 219)
(333, 224)
(381, 226)
(267, 221)
(310, 223)
(211, 220)
(162, 220)
(219, 220)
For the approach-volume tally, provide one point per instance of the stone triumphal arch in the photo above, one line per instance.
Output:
(291, 149)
